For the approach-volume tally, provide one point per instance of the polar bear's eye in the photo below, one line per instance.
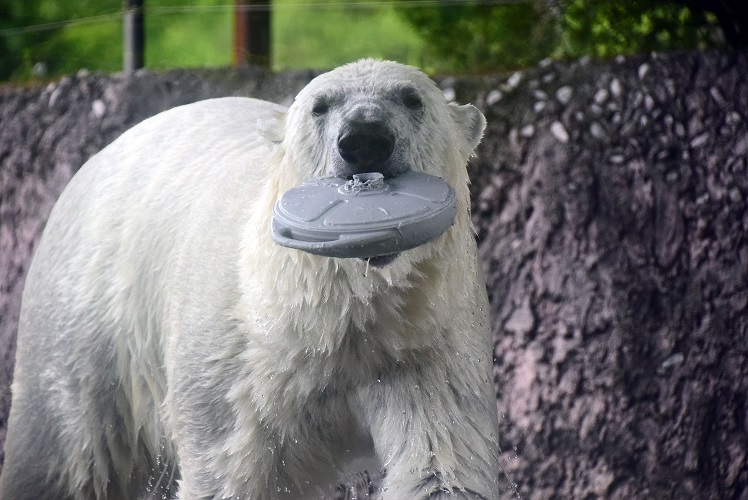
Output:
(411, 99)
(321, 106)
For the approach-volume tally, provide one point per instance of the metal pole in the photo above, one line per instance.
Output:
(134, 36)
(252, 32)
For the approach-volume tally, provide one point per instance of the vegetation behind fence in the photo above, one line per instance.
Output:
(46, 38)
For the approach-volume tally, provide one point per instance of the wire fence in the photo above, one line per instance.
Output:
(323, 34)
(200, 9)
(201, 35)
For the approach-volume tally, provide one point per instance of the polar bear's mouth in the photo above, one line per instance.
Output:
(381, 260)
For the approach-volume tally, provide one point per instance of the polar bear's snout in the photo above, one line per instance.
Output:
(364, 144)
(366, 139)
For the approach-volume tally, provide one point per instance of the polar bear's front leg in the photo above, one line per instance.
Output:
(243, 461)
(435, 429)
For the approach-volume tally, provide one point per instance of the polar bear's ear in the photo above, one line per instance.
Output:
(273, 129)
(470, 121)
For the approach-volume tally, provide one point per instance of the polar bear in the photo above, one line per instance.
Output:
(169, 348)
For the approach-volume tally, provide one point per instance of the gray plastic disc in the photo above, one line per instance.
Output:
(368, 216)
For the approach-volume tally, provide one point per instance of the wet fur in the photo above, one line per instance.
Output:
(166, 343)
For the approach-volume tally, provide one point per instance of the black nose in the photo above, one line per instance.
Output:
(365, 143)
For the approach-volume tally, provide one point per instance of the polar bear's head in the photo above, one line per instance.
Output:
(378, 116)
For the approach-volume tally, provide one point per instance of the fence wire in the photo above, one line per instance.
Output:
(197, 9)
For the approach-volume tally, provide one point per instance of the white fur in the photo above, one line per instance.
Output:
(162, 328)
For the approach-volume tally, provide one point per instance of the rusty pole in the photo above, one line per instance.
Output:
(134, 36)
(252, 32)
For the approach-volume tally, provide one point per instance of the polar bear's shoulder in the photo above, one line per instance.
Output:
(235, 106)
(210, 114)
(222, 131)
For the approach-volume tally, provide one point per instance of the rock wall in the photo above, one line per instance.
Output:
(610, 203)
(611, 209)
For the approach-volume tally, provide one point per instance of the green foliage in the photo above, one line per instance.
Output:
(605, 29)
(474, 36)
(93, 39)
(447, 37)
(326, 33)
(322, 34)
(486, 36)
(190, 37)
(62, 49)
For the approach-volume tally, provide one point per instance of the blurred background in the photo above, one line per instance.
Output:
(43, 39)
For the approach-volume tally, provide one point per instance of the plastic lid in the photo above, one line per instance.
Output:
(368, 216)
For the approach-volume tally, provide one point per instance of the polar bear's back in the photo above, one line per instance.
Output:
(156, 190)
(107, 270)
(141, 198)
